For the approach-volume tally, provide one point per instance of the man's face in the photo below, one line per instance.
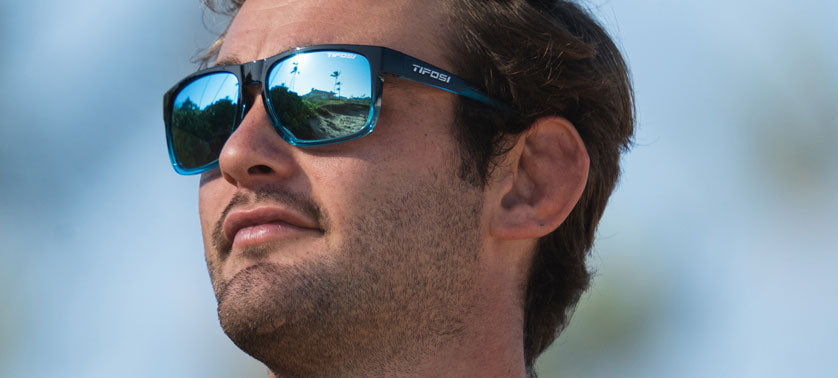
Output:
(353, 254)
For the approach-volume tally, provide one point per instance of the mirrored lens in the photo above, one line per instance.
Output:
(321, 95)
(203, 117)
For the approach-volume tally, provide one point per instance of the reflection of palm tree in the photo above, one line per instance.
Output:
(294, 73)
(336, 75)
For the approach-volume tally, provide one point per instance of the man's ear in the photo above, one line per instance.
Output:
(544, 175)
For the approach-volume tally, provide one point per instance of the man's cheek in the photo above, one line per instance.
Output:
(210, 204)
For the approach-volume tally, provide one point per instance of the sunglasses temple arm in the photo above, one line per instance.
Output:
(410, 68)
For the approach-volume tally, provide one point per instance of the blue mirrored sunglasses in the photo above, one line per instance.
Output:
(314, 96)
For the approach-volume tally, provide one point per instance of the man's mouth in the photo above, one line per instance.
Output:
(260, 224)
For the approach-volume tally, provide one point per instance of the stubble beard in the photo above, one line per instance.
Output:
(398, 290)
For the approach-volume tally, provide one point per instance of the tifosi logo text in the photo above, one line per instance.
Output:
(342, 55)
(433, 74)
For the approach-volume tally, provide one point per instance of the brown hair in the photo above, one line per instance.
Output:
(544, 57)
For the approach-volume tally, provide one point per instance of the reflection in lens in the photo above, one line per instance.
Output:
(203, 117)
(321, 95)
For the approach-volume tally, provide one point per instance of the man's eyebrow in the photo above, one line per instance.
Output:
(228, 61)
(235, 61)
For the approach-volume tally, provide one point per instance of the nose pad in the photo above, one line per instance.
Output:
(251, 92)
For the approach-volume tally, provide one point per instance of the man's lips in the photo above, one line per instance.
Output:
(256, 224)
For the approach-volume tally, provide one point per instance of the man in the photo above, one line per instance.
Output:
(360, 221)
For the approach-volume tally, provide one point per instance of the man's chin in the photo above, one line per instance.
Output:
(265, 309)
(245, 263)
(250, 304)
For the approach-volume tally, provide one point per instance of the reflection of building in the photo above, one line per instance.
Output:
(320, 95)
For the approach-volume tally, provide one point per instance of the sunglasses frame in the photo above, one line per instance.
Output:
(382, 61)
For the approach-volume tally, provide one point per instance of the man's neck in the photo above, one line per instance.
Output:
(490, 345)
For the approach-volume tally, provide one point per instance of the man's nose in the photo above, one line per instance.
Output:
(255, 152)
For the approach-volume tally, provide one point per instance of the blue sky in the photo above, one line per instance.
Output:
(209, 89)
(315, 70)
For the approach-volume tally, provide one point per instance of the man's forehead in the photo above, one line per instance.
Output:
(263, 28)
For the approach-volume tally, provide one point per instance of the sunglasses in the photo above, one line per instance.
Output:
(314, 96)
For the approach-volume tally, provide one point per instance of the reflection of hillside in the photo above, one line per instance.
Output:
(319, 114)
(196, 133)
(319, 97)
(292, 111)
(340, 119)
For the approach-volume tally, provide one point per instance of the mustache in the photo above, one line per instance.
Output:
(293, 201)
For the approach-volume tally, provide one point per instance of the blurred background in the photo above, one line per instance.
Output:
(716, 258)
